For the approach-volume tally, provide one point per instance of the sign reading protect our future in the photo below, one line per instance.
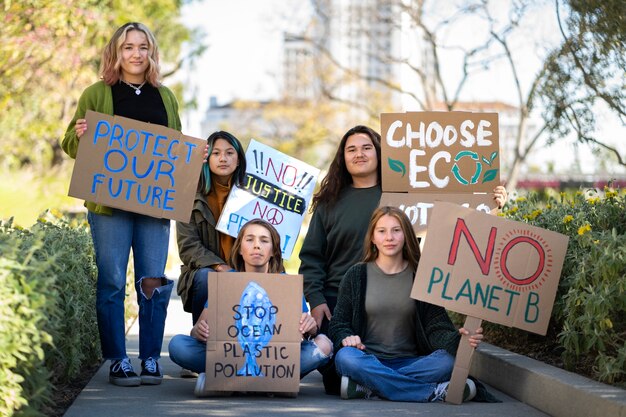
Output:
(277, 188)
(487, 267)
(136, 166)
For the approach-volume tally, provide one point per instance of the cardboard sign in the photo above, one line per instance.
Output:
(254, 344)
(484, 266)
(418, 206)
(139, 167)
(277, 188)
(440, 152)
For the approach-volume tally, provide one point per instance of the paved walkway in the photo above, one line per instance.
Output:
(174, 397)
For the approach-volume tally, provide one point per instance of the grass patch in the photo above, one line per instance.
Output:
(25, 194)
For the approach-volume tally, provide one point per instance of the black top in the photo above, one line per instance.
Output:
(146, 107)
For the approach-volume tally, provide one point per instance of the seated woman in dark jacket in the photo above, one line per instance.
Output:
(388, 344)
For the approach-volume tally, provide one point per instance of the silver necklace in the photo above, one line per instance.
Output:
(137, 89)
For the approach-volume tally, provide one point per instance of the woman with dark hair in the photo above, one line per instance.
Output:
(129, 87)
(202, 248)
(388, 344)
(256, 249)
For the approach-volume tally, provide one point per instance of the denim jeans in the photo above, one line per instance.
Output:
(190, 353)
(311, 357)
(401, 379)
(199, 292)
(113, 238)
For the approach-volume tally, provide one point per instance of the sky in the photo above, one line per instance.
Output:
(244, 54)
(244, 59)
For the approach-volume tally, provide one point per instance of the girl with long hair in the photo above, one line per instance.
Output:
(256, 249)
(388, 344)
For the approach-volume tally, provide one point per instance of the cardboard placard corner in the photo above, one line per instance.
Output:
(418, 206)
(135, 166)
(254, 344)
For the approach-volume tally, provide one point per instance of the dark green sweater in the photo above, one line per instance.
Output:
(334, 241)
(433, 328)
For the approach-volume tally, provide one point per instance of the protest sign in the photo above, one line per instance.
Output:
(440, 152)
(418, 206)
(277, 188)
(254, 343)
(135, 166)
(488, 268)
(484, 266)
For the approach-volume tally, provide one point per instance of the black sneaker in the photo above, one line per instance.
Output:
(121, 373)
(151, 373)
(350, 390)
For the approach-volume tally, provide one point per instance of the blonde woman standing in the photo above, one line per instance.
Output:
(129, 87)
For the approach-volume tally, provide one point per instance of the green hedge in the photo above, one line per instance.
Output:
(48, 329)
(588, 326)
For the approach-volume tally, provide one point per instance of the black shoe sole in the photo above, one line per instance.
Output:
(151, 380)
(125, 382)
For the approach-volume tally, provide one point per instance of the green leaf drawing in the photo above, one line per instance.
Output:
(396, 166)
(490, 175)
(485, 160)
(493, 156)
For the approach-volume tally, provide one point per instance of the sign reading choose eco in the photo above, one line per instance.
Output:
(440, 152)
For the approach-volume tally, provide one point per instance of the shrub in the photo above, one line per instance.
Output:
(588, 324)
(24, 313)
(48, 328)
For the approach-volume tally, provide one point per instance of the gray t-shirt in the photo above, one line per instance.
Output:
(390, 310)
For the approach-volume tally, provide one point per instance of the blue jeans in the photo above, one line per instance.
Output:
(190, 353)
(199, 292)
(401, 379)
(113, 238)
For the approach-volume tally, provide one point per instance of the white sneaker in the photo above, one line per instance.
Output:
(199, 389)
(186, 373)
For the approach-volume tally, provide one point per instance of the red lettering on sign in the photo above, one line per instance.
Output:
(483, 262)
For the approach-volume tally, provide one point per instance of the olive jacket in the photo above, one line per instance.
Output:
(198, 246)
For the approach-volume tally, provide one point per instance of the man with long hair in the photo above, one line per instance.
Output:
(341, 211)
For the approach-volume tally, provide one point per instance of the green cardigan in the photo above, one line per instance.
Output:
(433, 328)
(98, 97)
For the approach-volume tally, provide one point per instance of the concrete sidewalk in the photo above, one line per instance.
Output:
(174, 397)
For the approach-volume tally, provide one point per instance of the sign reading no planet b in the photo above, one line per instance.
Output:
(254, 344)
(277, 188)
(440, 152)
(487, 267)
(139, 167)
